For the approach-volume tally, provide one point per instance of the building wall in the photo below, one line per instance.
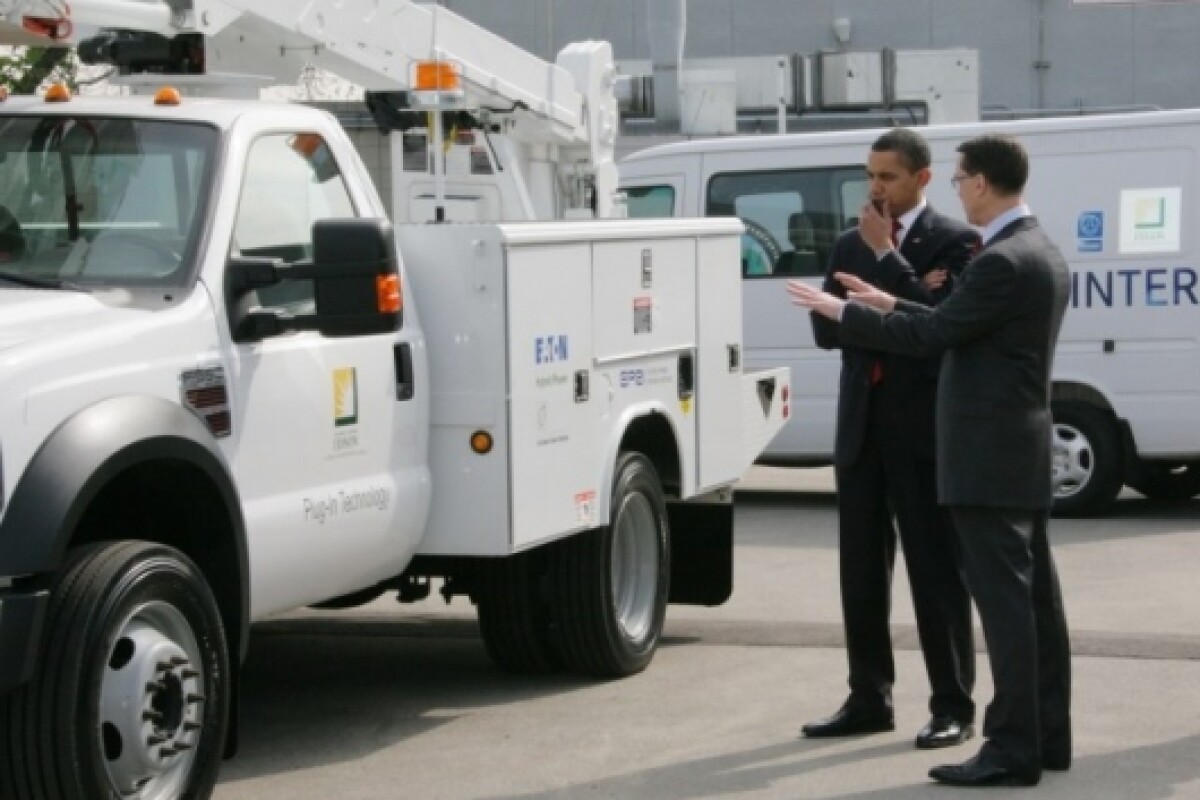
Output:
(1096, 53)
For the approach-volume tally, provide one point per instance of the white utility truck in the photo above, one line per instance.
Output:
(1117, 193)
(229, 387)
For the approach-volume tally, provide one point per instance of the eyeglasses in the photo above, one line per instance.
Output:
(957, 179)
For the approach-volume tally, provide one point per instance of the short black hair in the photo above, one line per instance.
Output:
(1001, 159)
(908, 144)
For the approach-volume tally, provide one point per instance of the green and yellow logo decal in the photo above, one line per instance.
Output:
(345, 397)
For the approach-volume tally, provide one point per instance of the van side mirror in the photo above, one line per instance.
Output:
(355, 275)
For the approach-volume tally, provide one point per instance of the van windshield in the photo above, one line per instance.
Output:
(102, 202)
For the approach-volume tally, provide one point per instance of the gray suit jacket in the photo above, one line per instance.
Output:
(998, 331)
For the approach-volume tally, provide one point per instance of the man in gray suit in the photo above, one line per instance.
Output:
(997, 331)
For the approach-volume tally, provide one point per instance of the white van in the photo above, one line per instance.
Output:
(1117, 193)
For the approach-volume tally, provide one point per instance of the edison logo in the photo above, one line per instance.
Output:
(345, 396)
(1150, 213)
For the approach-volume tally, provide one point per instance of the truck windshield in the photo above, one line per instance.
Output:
(101, 201)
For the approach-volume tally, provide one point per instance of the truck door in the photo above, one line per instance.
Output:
(331, 459)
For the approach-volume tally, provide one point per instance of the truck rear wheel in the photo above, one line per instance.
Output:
(610, 585)
(1088, 463)
(1167, 481)
(130, 698)
(513, 615)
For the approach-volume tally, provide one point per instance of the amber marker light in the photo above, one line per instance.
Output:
(387, 290)
(3, 93)
(481, 442)
(306, 144)
(437, 76)
(436, 84)
(58, 93)
(167, 96)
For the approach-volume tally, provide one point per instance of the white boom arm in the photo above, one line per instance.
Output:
(568, 106)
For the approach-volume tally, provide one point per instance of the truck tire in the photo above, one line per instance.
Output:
(513, 614)
(611, 584)
(1166, 481)
(1087, 458)
(130, 697)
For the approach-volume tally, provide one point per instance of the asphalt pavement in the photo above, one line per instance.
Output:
(390, 702)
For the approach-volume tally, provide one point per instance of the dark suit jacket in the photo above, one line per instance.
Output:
(934, 242)
(998, 331)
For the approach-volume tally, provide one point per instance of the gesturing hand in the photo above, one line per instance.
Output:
(860, 291)
(813, 298)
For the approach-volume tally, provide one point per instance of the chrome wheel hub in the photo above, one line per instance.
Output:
(151, 704)
(635, 560)
(1073, 461)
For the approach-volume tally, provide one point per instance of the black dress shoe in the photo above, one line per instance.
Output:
(1056, 762)
(850, 720)
(981, 771)
(943, 731)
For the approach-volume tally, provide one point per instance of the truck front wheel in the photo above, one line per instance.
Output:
(130, 698)
(611, 584)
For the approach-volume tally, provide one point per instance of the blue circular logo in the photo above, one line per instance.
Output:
(1091, 224)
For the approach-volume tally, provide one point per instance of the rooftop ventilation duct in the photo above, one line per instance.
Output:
(666, 26)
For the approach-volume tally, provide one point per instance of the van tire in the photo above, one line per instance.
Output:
(1088, 462)
(610, 585)
(1170, 482)
(513, 616)
(119, 613)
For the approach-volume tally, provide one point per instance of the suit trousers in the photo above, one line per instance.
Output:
(891, 478)
(1010, 571)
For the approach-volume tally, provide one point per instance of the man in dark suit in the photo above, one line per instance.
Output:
(884, 459)
(998, 331)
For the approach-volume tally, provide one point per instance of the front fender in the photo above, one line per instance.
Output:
(87, 451)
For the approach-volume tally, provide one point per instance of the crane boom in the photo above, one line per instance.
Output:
(377, 44)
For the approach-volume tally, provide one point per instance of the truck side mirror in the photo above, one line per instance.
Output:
(356, 277)
(355, 274)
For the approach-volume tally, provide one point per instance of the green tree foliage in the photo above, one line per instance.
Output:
(24, 69)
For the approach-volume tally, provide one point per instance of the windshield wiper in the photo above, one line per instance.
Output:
(39, 283)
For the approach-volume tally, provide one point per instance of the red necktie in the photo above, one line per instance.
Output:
(896, 228)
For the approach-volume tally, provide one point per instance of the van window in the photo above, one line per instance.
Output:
(792, 217)
(650, 201)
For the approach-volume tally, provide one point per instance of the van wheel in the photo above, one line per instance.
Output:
(1087, 459)
(513, 617)
(611, 584)
(131, 695)
(1166, 481)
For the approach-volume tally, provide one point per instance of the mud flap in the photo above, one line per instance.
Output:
(701, 553)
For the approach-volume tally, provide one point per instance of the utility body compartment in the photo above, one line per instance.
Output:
(554, 338)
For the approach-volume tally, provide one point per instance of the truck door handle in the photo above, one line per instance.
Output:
(406, 388)
(687, 376)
